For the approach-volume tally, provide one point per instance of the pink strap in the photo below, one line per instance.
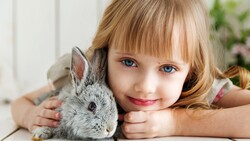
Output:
(219, 95)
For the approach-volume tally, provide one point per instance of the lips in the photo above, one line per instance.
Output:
(142, 102)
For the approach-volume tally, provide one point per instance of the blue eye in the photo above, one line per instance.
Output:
(168, 69)
(128, 62)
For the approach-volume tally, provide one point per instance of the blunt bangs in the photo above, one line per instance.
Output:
(156, 29)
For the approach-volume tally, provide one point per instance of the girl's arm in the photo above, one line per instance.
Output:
(229, 122)
(235, 97)
(232, 121)
(29, 116)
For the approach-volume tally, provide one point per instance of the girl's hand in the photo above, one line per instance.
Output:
(148, 124)
(45, 114)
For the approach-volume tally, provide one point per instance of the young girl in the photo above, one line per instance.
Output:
(162, 72)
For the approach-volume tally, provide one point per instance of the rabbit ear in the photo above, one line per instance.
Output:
(79, 67)
(99, 63)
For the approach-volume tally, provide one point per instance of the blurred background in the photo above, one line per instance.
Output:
(34, 33)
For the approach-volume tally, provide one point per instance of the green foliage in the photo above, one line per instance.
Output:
(219, 16)
(222, 15)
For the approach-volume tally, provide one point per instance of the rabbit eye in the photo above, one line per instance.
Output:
(92, 106)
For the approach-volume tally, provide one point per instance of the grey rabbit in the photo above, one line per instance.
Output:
(89, 110)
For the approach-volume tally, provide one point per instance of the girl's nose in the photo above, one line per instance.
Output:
(146, 84)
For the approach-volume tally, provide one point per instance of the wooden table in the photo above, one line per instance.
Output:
(9, 131)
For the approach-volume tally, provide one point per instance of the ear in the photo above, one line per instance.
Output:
(79, 67)
(99, 64)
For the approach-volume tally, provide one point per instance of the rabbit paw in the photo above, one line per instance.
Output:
(41, 133)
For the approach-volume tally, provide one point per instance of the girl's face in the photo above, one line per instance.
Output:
(143, 82)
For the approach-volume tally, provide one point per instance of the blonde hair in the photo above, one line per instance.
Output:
(155, 27)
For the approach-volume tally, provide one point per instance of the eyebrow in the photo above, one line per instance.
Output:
(162, 62)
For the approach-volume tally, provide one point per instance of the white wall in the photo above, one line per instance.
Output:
(34, 33)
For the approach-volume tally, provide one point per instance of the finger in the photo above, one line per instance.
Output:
(121, 117)
(51, 114)
(46, 122)
(135, 117)
(53, 98)
(129, 128)
(52, 104)
(137, 131)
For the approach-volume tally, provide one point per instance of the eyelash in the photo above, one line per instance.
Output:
(123, 61)
(173, 69)
(131, 63)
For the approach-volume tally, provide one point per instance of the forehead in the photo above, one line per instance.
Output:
(162, 35)
(172, 48)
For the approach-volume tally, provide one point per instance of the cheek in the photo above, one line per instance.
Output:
(115, 79)
(118, 86)
(170, 92)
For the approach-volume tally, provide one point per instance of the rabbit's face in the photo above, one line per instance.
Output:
(91, 110)
(93, 113)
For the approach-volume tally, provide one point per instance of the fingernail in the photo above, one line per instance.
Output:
(55, 124)
(58, 115)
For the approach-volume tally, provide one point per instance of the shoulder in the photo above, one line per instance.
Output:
(57, 74)
(220, 88)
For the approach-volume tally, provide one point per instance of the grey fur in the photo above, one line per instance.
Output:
(79, 120)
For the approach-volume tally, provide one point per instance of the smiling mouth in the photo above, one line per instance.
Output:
(142, 102)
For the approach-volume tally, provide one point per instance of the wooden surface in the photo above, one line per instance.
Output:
(9, 131)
